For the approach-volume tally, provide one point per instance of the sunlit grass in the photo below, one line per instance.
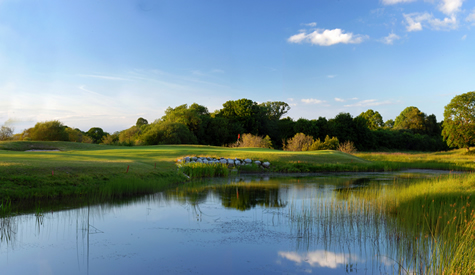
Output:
(430, 224)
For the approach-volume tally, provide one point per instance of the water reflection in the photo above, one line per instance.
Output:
(257, 225)
(321, 258)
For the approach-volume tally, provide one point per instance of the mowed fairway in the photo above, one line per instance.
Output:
(77, 166)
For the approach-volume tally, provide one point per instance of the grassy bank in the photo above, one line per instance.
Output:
(79, 169)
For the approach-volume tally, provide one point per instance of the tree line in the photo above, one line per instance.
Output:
(194, 124)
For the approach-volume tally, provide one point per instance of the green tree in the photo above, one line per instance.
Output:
(96, 134)
(374, 119)
(459, 121)
(389, 124)
(165, 132)
(53, 130)
(141, 121)
(274, 110)
(244, 112)
(412, 119)
(6, 133)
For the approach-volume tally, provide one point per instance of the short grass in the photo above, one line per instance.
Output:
(79, 168)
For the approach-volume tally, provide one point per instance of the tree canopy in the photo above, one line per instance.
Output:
(374, 120)
(459, 121)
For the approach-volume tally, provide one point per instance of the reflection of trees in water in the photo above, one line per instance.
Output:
(239, 196)
(245, 197)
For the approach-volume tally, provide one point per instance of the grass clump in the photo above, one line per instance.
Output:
(202, 170)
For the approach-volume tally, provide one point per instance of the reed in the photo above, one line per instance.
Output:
(430, 224)
(201, 170)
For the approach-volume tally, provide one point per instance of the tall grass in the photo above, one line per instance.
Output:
(430, 225)
(201, 170)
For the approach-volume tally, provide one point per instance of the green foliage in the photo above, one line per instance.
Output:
(244, 112)
(327, 144)
(249, 140)
(411, 118)
(300, 142)
(308, 127)
(141, 121)
(374, 119)
(129, 135)
(52, 130)
(6, 133)
(274, 110)
(96, 134)
(459, 121)
(389, 124)
(168, 133)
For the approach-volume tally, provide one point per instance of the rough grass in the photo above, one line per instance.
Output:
(450, 160)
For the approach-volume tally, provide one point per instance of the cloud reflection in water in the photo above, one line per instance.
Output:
(321, 258)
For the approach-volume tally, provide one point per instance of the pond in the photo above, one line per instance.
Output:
(241, 224)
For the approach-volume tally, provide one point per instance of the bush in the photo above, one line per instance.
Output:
(347, 147)
(328, 144)
(300, 142)
(249, 140)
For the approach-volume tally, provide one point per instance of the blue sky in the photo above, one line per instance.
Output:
(106, 63)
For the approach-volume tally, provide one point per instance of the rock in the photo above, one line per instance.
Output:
(248, 160)
(179, 160)
(230, 161)
(257, 162)
(223, 161)
(205, 161)
(194, 158)
(266, 164)
(237, 162)
(187, 159)
(199, 161)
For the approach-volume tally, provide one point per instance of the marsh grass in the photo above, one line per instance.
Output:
(202, 170)
(5, 208)
(427, 227)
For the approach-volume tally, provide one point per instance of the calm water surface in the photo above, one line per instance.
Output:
(239, 225)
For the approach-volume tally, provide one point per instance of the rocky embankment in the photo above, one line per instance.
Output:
(230, 162)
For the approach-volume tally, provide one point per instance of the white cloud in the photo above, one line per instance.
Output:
(392, 2)
(339, 99)
(450, 7)
(312, 101)
(217, 71)
(320, 258)
(390, 38)
(331, 76)
(312, 24)
(447, 23)
(471, 17)
(464, 37)
(327, 37)
(290, 99)
(369, 102)
(415, 22)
